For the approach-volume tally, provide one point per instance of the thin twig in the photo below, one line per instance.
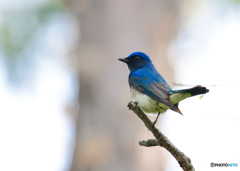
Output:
(161, 140)
(148, 143)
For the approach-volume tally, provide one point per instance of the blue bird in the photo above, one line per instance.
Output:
(149, 89)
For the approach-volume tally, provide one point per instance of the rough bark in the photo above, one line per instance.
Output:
(161, 140)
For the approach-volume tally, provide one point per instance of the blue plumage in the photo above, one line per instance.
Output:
(149, 89)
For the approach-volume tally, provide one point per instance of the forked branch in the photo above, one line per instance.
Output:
(161, 140)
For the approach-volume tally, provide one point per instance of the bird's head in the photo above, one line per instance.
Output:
(136, 60)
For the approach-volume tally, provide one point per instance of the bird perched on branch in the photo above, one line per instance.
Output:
(150, 91)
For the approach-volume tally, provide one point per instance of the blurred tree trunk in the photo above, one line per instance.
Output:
(107, 133)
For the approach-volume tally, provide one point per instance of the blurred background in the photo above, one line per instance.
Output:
(64, 94)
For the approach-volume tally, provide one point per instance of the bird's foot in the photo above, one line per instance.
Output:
(133, 105)
(136, 104)
(154, 123)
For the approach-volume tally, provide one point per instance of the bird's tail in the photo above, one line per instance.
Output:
(179, 95)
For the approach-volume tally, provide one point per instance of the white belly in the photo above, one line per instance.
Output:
(146, 103)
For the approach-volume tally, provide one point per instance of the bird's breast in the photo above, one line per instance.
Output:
(146, 103)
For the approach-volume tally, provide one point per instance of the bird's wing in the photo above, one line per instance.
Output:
(153, 87)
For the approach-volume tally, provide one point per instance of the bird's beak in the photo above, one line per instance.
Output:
(123, 60)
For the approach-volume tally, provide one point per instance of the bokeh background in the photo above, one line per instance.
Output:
(64, 94)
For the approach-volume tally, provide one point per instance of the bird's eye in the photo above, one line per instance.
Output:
(136, 58)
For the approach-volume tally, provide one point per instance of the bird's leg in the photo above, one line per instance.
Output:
(156, 119)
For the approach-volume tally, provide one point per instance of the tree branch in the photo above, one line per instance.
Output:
(161, 140)
(148, 143)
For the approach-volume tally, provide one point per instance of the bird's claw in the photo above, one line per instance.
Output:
(132, 105)
(154, 123)
(136, 104)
